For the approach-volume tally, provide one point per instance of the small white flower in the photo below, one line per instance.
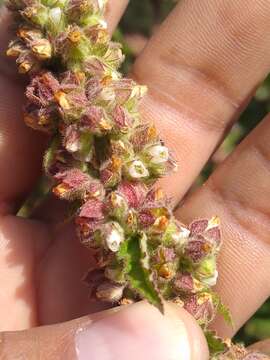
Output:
(180, 237)
(103, 24)
(55, 15)
(159, 154)
(73, 146)
(114, 237)
(138, 170)
(211, 281)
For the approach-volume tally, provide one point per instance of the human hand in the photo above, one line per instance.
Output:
(201, 68)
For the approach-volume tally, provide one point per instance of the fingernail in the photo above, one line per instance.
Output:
(141, 332)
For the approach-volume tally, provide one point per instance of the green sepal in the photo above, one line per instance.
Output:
(216, 344)
(133, 253)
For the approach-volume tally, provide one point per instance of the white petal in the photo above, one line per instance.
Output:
(114, 240)
(211, 281)
(159, 154)
(180, 237)
(138, 170)
(55, 15)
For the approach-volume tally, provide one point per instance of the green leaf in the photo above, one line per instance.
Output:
(215, 344)
(134, 254)
(223, 310)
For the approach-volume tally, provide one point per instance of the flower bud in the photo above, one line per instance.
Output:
(180, 236)
(207, 268)
(113, 235)
(212, 280)
(71, 140)
(55, 18)
(116, 206)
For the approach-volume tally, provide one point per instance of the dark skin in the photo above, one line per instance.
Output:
(201, 68)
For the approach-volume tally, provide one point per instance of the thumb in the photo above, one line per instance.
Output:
(136, 332)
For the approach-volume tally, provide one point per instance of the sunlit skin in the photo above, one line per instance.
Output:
(208, 60)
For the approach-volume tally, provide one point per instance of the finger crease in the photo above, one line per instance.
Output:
(241, 212)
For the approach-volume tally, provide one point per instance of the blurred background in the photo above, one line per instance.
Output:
(141, 19)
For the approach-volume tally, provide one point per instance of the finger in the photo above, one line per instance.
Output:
(135, 332)
(262, 346)
(21, 148)
(201, 67)
(114, 12)
(22, 243)
(238, 192)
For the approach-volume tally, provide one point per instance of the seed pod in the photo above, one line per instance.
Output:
(113, 236)
(109, 292)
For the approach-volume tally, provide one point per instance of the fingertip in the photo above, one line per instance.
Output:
(141, 331)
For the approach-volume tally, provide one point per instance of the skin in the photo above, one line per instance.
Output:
(210, 57)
